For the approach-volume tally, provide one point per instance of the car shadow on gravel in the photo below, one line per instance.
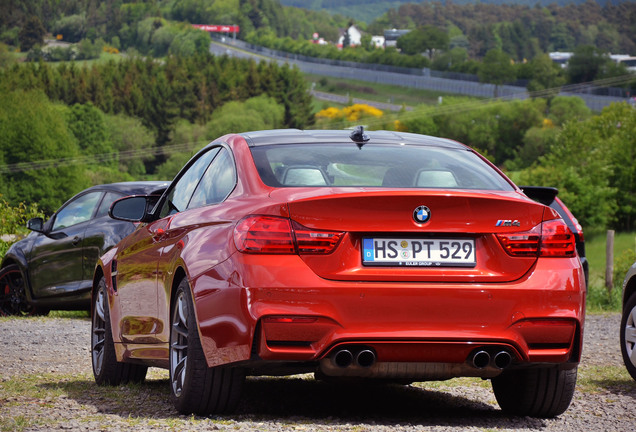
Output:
(386, 404)
(619, 387)
(284, 400)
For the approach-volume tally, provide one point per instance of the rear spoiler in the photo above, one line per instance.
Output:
(543, 194)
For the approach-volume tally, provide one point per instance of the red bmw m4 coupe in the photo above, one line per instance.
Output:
(370, 255)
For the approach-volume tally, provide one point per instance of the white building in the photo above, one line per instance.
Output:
(355, 36)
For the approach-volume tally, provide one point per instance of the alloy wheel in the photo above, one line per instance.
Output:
(12, 297)
(629, 338)
(98, 336)
(179, 344)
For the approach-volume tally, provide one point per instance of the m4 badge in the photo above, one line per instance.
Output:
(508, 222)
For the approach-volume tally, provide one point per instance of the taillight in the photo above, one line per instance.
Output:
(264, 234)
(315, 242)
(274, 235)
(557, 240)
(551, 238)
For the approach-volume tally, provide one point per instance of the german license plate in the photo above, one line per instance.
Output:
(457, 252)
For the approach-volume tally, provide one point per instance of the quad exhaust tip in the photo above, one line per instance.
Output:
(344, 358)
(365, 358)
(482, 359)
(502, 360)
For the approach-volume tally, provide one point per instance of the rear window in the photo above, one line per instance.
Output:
(374, 165)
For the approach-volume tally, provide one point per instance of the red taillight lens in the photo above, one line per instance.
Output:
(550, 239)
(523, 243)
(264, 234)
(274, 235)
(315, 242)
(557, 239)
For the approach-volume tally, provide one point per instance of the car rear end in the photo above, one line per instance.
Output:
(406, 259)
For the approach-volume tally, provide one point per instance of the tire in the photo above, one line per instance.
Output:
(542, 392)
(196, 388)
(628, 335)
(106, 369)
(13, 299)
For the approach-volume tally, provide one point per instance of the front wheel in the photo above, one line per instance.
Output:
(541, 392)
(196, 388)
(13, 299)
(106, 369)
(628, 335)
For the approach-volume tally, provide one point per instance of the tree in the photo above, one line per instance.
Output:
(31, 34)
(426, 39)
(497, 68)
(546, 77)
(32, 129)
(88, 125)
(346, 39)
(72, 27)
(587, 64)
(591, 163)
(568, 108)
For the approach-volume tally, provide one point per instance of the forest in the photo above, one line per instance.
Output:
(369, 10)
(156, 96)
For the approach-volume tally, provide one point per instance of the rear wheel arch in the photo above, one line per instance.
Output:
(630, 289)
(195, 387)
(628, 347)
(179, 275)
(97, 277)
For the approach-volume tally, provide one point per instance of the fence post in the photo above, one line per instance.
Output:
(609, 261)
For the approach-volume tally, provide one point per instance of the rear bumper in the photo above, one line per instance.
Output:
(294, 316)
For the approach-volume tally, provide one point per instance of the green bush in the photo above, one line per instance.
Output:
(13, 222)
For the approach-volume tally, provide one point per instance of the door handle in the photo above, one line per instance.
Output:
(76, 240)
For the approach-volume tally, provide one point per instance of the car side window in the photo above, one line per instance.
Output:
(217, 182)
(181, 192)
(109, 198)
(77, 211)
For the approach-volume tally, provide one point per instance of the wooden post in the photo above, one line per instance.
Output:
(609, 261)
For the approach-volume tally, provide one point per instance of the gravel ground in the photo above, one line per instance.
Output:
(52, 357)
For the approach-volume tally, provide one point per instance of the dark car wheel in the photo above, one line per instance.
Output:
(628, 335)
(106, 369)
(542, 392)
(196, 388)
(13, 299)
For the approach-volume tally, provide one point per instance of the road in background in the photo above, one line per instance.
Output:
(241, 49)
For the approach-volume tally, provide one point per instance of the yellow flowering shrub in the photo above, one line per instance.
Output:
(355, 112)
(399, 126)
(330, 113)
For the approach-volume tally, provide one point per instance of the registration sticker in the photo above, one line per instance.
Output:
(457, 252)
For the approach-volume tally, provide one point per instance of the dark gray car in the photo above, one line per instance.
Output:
(52, 268)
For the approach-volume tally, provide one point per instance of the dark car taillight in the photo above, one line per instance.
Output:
(551, 238)
(274, 235)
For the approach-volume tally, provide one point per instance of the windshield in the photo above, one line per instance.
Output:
(374, 165)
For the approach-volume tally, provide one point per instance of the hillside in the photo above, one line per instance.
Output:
(369, 10)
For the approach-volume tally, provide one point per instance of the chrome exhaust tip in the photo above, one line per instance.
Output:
(365, 358)
(481, 359)
(502, 359)
(342, 358)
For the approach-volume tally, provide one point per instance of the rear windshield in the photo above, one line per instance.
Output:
(374, 165)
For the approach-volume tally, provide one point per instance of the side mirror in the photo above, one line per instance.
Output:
(132, 208)
(36, 224)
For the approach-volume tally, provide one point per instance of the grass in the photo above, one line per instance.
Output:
(596, 379)
(384, 93)
(599, 299)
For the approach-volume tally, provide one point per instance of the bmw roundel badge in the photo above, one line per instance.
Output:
(421, 214)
